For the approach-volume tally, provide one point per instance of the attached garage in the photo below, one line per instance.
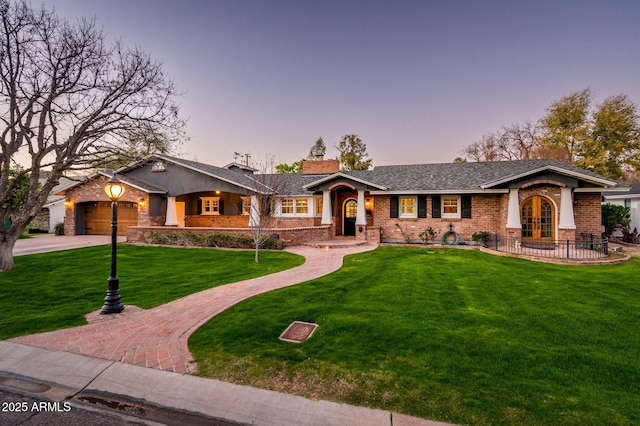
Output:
(94, 218)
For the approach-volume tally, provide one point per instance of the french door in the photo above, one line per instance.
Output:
(538, 219)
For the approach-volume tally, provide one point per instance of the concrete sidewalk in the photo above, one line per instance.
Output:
(162, 397)
(43, 243)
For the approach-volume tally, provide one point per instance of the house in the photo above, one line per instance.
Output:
(529, 199)
(629, 199)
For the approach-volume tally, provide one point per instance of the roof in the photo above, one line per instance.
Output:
(480, 177)
(634, 192)
(465, 177)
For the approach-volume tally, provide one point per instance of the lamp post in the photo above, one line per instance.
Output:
(112, 302)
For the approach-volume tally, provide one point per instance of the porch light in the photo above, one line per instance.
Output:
(114, 188)
(141, 202)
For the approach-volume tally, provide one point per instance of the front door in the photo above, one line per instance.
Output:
(350, 212)
(538, 219)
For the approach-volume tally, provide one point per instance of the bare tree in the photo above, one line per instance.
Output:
(68, 100)
(486, 149)
(520, 141)
(515, 142)
(267, 187)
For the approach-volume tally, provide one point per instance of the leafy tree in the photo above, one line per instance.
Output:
(566, 126)
(68, 100)
(19, 183)
(613, 146)
(295, 167)
(353, 153)
(604, 139)
(318, 149)
(459, 160)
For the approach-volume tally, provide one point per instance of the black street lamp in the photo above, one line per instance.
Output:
(112, 302)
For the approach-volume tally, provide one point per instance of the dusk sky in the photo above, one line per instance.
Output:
(416, 80)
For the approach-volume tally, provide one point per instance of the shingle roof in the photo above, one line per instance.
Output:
(413, 177)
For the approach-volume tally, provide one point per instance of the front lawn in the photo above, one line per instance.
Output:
(54, 290)
(451, 335)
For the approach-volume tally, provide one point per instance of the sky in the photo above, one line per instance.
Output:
(417, 81)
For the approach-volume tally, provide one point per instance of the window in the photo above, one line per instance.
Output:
(302, 206)
(210, 205)
(451, 206)
(294, 207)
(246, 205)
(319, 202)
(408, 207)
(287, 206)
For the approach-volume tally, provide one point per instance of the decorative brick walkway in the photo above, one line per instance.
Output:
(157, 337)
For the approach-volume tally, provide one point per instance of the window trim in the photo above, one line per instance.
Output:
(413, 215)
(458, 213)
(215, 202)
(296, 207)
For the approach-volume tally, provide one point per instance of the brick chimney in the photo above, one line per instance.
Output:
(319, 166)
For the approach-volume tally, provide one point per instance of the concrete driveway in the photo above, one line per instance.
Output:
(42, 243)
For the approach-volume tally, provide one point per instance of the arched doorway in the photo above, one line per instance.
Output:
(538, 219)
(350, 212)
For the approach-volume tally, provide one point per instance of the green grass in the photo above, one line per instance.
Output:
(55, 290)
(453, 335)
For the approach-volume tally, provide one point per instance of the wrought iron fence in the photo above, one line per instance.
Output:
(589, 246)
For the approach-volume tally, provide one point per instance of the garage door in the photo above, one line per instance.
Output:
(97, 217)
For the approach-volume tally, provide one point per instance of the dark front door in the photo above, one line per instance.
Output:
(350, 212)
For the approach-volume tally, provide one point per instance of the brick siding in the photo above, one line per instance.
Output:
(93, 190)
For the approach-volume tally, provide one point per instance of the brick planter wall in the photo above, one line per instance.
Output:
(291, 236)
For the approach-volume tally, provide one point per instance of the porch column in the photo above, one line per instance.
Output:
(513, 210)
(327, 219)
(172, 214)
(566, 210)
(254, 212)
(361, 218)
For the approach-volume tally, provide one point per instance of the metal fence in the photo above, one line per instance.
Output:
(589, 246)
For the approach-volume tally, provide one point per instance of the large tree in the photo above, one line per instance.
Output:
(604, 138)
(69, 98)
(352, 153)
(566, 125)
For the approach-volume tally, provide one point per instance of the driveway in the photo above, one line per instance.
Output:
(42, 243)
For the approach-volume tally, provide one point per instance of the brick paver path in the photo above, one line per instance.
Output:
(157, 337)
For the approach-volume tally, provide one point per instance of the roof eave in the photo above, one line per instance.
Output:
(345, 176)
(586, 178)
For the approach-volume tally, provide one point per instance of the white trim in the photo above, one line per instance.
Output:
(215, 202)
(342, 175)
(361, 217)
(457, 214)
(172, 214)
(514, 217)
(415, 208)
(327, 218)
(310, 207)
(566, 220)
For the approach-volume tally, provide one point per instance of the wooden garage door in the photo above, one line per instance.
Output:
(97, 217)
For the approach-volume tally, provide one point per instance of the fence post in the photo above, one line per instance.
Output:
(590, 241)
(568, 257)
(497, 236)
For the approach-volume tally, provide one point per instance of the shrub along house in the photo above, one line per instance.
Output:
(530, 199)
